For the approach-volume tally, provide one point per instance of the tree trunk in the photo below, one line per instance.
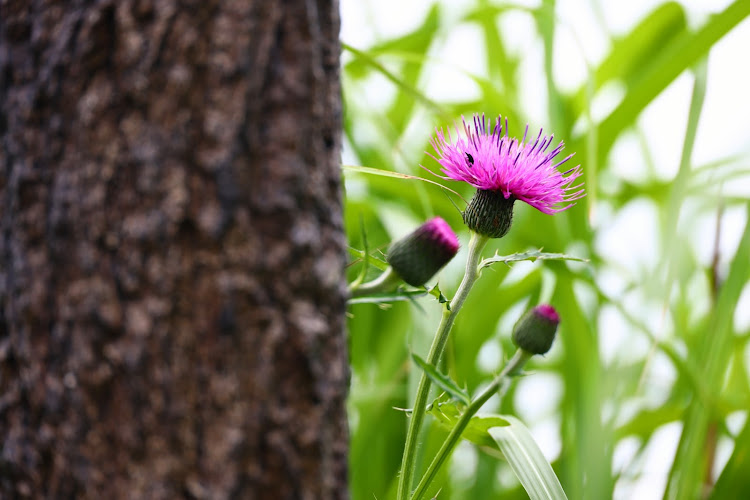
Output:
(171, 250)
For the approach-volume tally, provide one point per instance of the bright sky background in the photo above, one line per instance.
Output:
(723, 131)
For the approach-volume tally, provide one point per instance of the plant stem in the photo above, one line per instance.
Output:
(476, 245)
(383, 283)
(500, 384)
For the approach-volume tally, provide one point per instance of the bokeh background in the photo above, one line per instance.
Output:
(646, 392)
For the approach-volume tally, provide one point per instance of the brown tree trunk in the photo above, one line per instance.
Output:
(171, 250)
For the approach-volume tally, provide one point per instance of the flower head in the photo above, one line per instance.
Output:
(536, 329)
(486, 158)
(419, 255)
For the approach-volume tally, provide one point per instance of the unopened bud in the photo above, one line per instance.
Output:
(536, 329)
(418, 256)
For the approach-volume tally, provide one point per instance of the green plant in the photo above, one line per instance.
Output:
(606, 402)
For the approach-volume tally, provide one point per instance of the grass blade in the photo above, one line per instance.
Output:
(527, 461)
(669, 62)
(686, 476)
(402, 84)
(395, 175)
(734, 482)
(635, 51)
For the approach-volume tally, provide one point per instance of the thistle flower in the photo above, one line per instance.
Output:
(535, 331)
(503, 170)
(418, 256)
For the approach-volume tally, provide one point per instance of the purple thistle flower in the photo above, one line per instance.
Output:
(519, 170)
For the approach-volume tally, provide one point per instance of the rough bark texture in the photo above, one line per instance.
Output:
(171, 250)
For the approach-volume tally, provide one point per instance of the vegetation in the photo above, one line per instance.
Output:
(643, 348)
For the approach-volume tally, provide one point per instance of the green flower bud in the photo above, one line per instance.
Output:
(418, 256)
(536, 329)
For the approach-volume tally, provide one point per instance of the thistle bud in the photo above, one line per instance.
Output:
(418, 256)
(536, 329)
(490, 213)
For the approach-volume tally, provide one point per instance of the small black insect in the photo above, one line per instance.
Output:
(470, 159)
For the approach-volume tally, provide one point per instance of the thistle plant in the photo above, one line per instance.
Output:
(654, 335)
(503, 170)
(536, 329)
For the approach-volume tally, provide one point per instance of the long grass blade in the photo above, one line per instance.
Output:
(686, 477)
(527, 461)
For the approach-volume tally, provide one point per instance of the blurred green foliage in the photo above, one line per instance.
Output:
(619, 400)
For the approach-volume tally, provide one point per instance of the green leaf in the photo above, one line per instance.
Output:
(646, 421)
(384, 298)
(527, 461)
(681, 181)
(502, 66)
(418, 41)
(713, 356)
(372, 260)
(447, 414)
(408, 89)
(366, 257)
(442, 299)
(396, 175)
(738, 385)
(514, 440)
(443, 381)
(734, 481)
(532, 255)
(667, 64)
(633, 53)
(587, 461)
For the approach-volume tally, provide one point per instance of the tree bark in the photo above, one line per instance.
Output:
(171, 250)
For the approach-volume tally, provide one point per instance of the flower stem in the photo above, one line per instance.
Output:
(383, 283)
(476, 245)
(500, 384)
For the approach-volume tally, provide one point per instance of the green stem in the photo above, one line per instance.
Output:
(500, 384)
(383, 283)
(476, 245)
